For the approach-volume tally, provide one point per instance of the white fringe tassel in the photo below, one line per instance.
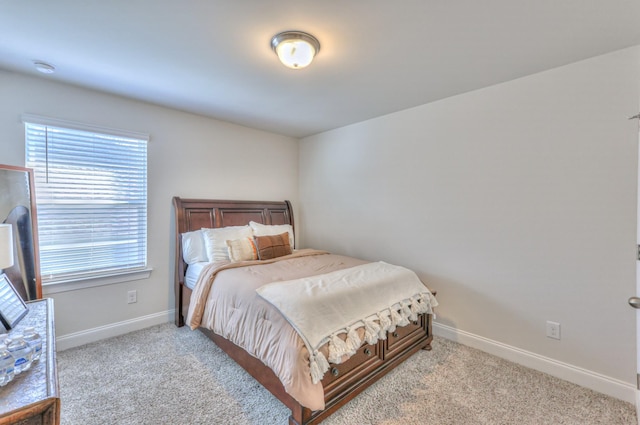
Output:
(385, 325)
(421, 306)
(371, 331)
(319, 366)
(387, 321)
(395, 319)
(337, 349)
(405, 313)
(353, 341)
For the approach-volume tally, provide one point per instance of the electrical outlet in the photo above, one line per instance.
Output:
(132, 297)
(553, 329)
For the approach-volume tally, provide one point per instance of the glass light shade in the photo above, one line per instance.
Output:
(295, 53)
(6, 246)
(295, 49)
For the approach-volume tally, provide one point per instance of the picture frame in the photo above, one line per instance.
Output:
(12, 306)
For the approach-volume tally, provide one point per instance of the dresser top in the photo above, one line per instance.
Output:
(40, 381)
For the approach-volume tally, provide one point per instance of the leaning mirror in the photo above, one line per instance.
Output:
(18, 208)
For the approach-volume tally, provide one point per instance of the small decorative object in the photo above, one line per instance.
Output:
(12, 306)
(6, 246)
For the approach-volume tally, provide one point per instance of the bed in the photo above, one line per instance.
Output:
(342, 381)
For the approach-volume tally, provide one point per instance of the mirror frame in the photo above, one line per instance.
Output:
(12, 197)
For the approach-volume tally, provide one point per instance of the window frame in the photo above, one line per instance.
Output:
(106, 277)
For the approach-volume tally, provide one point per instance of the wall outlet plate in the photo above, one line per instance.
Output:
(553, 329)
(132, 297)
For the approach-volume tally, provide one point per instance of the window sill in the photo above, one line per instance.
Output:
(73, 285)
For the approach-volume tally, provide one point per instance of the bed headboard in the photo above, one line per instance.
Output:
(194, 214)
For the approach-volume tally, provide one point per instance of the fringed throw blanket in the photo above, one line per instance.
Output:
(375, 296)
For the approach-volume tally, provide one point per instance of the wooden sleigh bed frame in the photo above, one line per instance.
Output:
(344, 381)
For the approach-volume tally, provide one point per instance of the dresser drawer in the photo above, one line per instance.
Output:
(366, 358)
(404, 336)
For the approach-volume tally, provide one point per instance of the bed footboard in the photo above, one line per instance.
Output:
(370, 363)
(344, 381)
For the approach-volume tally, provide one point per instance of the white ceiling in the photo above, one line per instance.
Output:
(213, 57)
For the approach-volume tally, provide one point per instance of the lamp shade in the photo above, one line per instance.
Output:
(6, 246)
(295, 49)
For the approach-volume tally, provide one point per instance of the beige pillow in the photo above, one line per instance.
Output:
(272, 246)
(242, 250)
(215, 240)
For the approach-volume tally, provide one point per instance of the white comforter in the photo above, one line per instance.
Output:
(374, 296)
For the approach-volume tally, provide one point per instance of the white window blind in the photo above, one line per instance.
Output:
(91, 195)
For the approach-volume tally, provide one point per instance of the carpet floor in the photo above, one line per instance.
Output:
(169, 375)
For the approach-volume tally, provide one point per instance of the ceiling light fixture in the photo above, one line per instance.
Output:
(295, 49)
(44, 67)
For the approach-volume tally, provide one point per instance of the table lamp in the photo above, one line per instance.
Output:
(6, 246)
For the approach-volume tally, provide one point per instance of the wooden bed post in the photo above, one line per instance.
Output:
(179, 264)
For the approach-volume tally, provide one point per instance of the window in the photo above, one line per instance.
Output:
(91, 199)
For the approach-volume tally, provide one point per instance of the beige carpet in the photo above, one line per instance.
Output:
(169, 375)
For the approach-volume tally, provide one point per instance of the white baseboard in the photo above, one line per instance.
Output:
(603, 384)
(613, 387)
(76, 339)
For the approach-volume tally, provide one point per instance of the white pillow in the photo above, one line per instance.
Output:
(242, 250)
(215, 240)
(273, 229)
(193, 249)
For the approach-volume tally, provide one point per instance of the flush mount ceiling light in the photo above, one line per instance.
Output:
(44, 67)
(295, 49)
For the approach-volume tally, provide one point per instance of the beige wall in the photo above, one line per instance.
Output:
(517, 203)
(188, 156)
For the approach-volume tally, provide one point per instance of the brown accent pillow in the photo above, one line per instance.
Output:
(272, 246)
